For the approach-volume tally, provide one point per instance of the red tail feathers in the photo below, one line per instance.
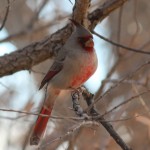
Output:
(40, 126)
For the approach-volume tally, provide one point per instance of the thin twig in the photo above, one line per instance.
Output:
(71, 2)
(34, 18)
(105, 124)
(146, 44)
(105, 9)
(119, 27)
(125, 119)
(140, 98)
(90, 118)
(27, 31)
(117, 84)
(120, 45)
(38, 114)
(70, 132)
(126, 81)
(125, 102)
(99, 92)
(137, 23)
(74, 138)
(6, 15)
(38, 72)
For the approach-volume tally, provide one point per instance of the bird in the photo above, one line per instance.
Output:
(75, 63)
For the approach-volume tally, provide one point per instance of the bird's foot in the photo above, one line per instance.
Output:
(34, 140)
(76, 105)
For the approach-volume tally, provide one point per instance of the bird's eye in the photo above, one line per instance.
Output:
(86, 42)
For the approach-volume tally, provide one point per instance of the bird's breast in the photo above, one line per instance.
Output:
(77, 69)
(85, 68)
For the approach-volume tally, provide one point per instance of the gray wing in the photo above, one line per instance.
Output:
(55, 68)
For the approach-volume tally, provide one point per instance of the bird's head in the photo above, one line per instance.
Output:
(84, 36)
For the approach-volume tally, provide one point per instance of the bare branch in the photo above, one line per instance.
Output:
(119, 26)
(118, 84)
(6, 15)
(33, 31)
(34, 18)
(99, 92)
(99, 14)
(71, 2)
(125, 81)
(39, 51)
(105, 124)
(81, 11)
(37, 114)
(120, 45)
(70, 132)
(34, 53)
(126, 101)
(136, 22)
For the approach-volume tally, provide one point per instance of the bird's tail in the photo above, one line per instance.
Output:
(40, 125)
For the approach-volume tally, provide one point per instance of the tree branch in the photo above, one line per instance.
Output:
(6, 15)
(105, 124)
(37, 52)
(120, 45)
(101, 13)
(81, 12)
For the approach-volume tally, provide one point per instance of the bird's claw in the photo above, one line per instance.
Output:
(76, 105)
(34, 140)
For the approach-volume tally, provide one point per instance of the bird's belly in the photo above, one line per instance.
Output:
(82, 76)
(84, 70)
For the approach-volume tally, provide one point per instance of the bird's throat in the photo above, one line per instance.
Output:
(89, 49)
(87, 43)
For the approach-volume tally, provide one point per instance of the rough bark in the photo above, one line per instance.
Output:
(37, 52)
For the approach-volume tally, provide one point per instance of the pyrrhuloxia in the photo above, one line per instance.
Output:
(75, 63)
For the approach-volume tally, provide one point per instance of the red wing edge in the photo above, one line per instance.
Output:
(48, 77)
